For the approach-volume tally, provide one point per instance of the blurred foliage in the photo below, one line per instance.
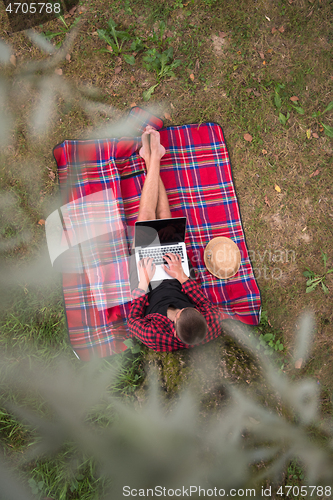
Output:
(150, 443)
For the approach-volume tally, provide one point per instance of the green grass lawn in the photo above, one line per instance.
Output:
(263, 71)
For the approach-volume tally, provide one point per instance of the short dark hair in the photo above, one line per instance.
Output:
(191, 326)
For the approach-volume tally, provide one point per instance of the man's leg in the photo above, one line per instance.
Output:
(151, 147)
(149, 194)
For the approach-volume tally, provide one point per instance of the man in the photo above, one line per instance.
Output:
(176, 314)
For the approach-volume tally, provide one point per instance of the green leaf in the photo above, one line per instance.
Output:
(129, 59)
(299, 110)
(277, 100)
(129, 343)
(308, 274)
(123, 35)
(280, 347)
(328, 130)
(324, 287)
(316, 280)
(329, 271)
(268, 336)
(137, 45)
(282, 118)
(148, 93)
(49, 35)
(176, 63)
(103, 36)
(162, 29)
(329, 108)
(311, 288)
(111, 23)
(324, 256)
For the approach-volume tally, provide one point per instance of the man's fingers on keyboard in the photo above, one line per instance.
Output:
(170, 255)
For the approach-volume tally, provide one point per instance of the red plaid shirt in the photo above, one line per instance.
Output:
(158, 332)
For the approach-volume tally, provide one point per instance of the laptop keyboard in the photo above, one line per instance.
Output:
(157, 253)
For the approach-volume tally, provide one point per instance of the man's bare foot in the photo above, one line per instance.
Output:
(151, 146)
(156, 148)
(144, 152)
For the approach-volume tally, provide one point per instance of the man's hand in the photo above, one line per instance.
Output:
(146, 272)
(175, 269)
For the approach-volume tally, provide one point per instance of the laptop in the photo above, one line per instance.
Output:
(155, 238)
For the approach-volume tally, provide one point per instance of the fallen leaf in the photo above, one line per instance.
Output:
(73, 9)
(117, 69)
(172, 105)
(268, 19)
(167, 116)
(269, 51)
(310, 13)
(248, 137)
(109, 48)
(222, 34)
(58, 71)
(298, 363)
(119, 61)
(257, 94)
(239, 52)
(277, 188)
(41, 222)
(68, 57)
(276, 157)
(13, 59)
(281, 30)
(248, 90)
(308, 133)
(262, 55)
(197, 65)
(315, 135)
(274, 30)
(321, 129)
(266, 201)
(133, 104)
(294, 98)
(192, 76)
(264, 152)
(264, 62)
(316, 172)
(52, 175)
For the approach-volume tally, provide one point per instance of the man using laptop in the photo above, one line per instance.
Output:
(176, 314)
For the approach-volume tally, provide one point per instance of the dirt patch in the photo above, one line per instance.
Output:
(220, 43)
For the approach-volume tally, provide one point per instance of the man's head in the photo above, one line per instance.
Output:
(191, 326)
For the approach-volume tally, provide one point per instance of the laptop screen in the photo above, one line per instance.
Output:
(160, 231)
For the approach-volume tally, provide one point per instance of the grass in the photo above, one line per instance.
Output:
(231, 85)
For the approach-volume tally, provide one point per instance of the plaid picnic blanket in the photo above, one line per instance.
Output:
(101, 182)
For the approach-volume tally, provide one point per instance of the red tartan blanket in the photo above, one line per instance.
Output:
(108, 175)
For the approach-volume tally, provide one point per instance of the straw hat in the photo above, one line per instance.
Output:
(222, 257)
